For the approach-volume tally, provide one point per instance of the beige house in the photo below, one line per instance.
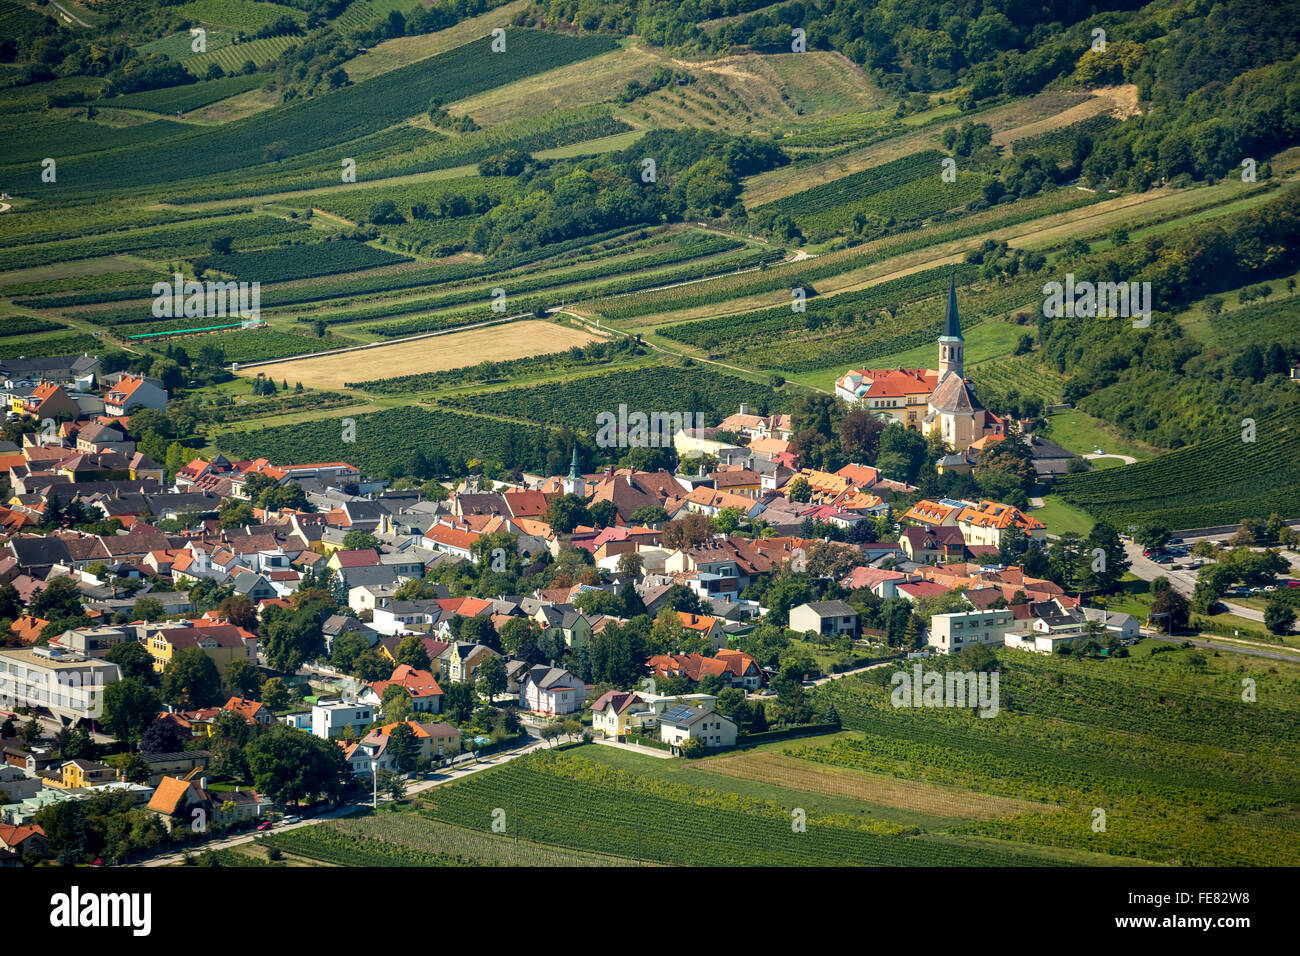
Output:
(683, 722)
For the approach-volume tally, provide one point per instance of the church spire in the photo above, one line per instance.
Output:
(951, 324)
(951, 344)
(574, 474)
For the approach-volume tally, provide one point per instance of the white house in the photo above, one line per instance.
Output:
(552, 690)
(824, 617)
(328, 717)
(952, 632)
(69, 686)
(682, 722)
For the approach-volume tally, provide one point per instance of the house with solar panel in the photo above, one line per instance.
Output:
(683, 722)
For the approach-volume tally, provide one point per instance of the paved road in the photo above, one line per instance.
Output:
(1127, 459)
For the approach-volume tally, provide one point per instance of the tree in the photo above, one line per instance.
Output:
(687, 532)
(132, 659)
(239, 611)
(631, 563)
(348, 646)
(403, 748)
(243, 679)
(291, 638)
(1279, 616)
(649, 515)
(1175, 607)
(492, 679)
(146, 609)
(161, 736)
(412, 652)
(799, 490)
(191, 680)
(566, 512)
(458, 701)
(603, 514)
(396, 703)
(358, 540)
(129, 706)
(289, 766)
(1153, 535)
(275, 695)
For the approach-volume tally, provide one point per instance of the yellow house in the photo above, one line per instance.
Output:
(620, 712)
(83, 773)
(223, 643)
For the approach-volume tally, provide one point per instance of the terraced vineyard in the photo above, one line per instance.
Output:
(1220, 481)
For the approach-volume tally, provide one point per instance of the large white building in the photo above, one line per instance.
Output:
(328, 717)
(69, 686)
(951, 632)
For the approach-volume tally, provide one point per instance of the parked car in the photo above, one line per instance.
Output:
(99, 861)
(292, 818)
(266, 825)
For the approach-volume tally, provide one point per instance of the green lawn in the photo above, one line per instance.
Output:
(1080, 433)
(1061, 518)
(985, 342)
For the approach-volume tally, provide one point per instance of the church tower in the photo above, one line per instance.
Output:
(951, 344)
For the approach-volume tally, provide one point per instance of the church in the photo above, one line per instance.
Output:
(935, 401)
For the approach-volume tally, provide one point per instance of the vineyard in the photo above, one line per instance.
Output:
(188, 97)
(410, 839)
(311, 125)
(39, 346)
(1164, 743)
(391, 437)
(1219, 481)
(652, 389)
(909, 189)
(844, 308)
(564, 800)
(305, 261)
(180, 240)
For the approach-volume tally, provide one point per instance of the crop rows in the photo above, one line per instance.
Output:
(256, 345)
(656, 388)
(26, 325)
(433, 275)
(856, 187)
(571, 802)
(405, 150)
(304, 261)
(391, 437)
(766, 322)
(188, 97)
(344, 115)
(706, 247)
(173, 241)
(58, 343)
(1219, 481)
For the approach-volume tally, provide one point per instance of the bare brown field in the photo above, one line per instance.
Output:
(812, 777)
(434, 354)
(1006, 121)
(1120, 100)
(597, 80)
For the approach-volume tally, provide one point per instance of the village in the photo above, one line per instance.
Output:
(183, 641)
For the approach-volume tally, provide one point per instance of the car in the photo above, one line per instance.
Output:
(292, 818)
(99, 861)
(1293, 584)
(1271, 587)
(266, 825)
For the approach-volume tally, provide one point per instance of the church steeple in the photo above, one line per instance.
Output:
(574, 474)
(951, 343)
